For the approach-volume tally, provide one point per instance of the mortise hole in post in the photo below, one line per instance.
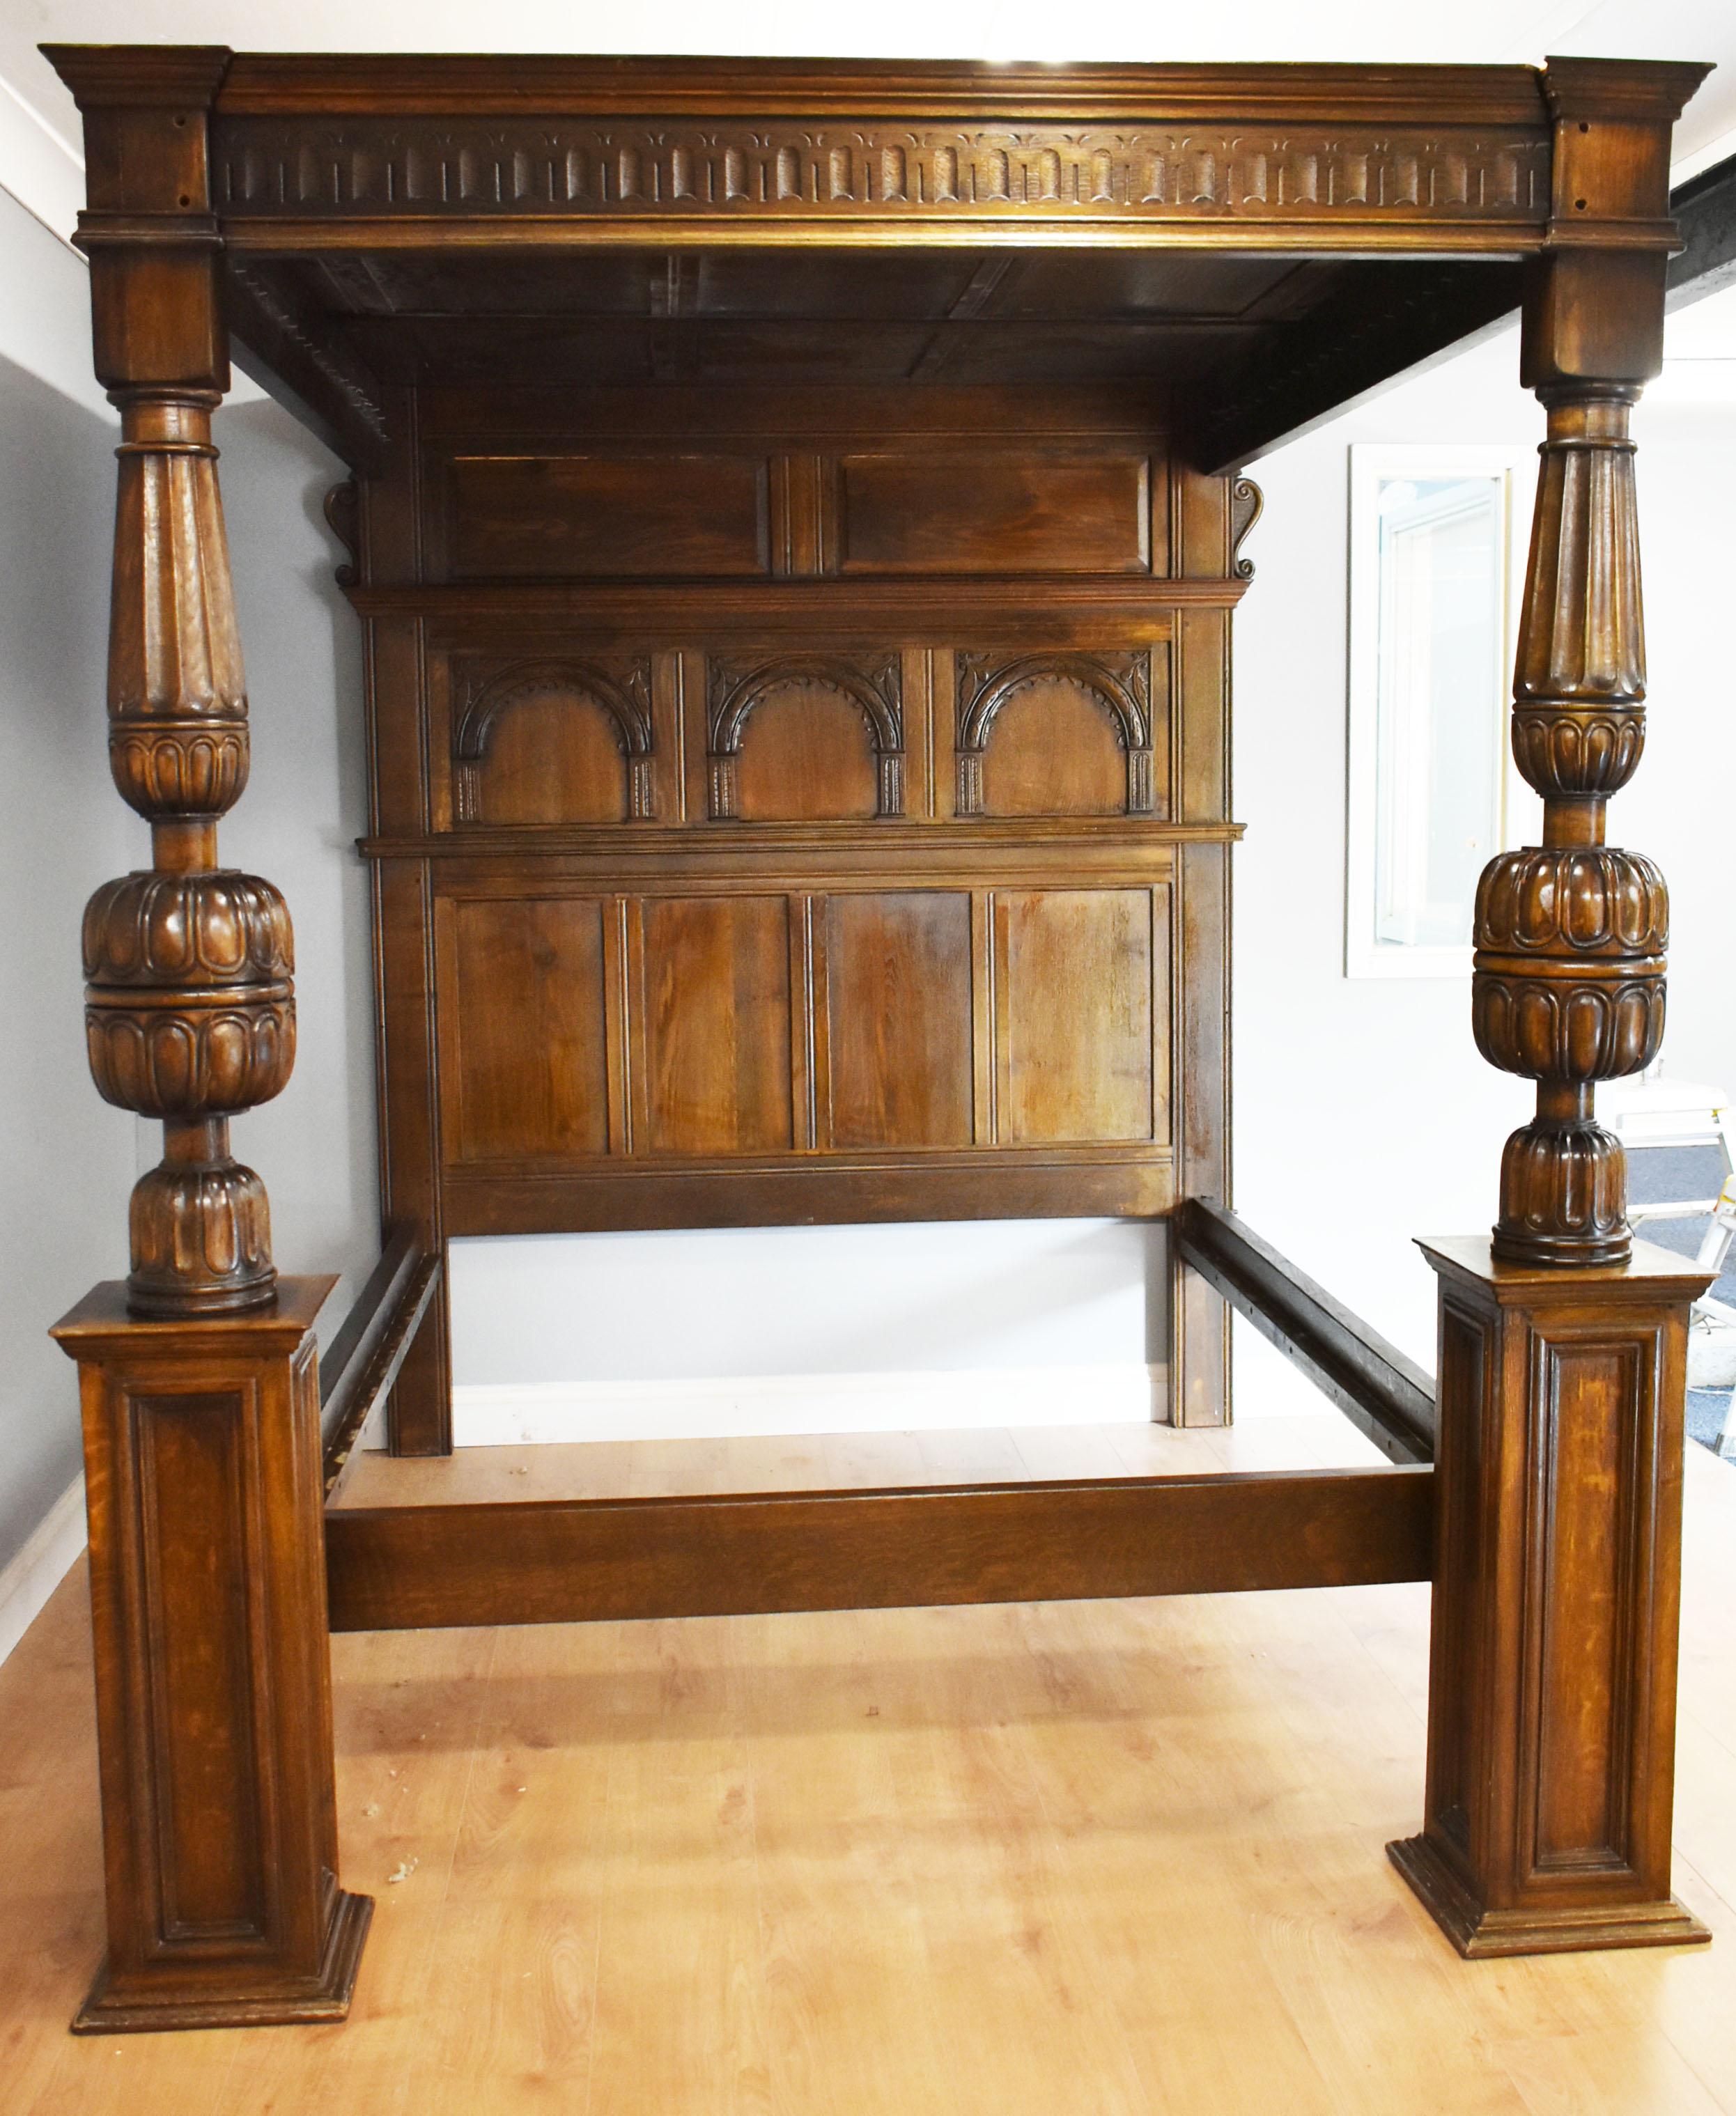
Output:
(181, 121)
(1583, 126)
(185, 200)
(1579, 204)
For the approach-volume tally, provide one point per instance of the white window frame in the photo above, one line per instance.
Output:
(1370, 463)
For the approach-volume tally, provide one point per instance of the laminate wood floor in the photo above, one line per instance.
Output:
(1077, 1857)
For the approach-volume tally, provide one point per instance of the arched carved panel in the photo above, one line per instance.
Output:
(871, 686)
(618, 690)
(1116, 684)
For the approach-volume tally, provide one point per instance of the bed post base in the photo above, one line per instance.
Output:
(1552, 1679)
(213, 1669)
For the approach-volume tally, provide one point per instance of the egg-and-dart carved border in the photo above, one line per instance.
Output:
(1120, 682)
(622, 688)
(735, 687)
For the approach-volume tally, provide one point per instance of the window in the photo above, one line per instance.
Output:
(1430, 662)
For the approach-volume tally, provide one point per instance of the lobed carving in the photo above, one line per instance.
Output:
(622, 688)
(1121, 684)
(1247, 503)
(213, 927)
(1571, 901)
(1569, 968)
(1568, 751)
(419, 167)
(182, 1055)
(1563, 1195)
(1575, 1027)
(874, 685)
(167, 768)
(200, 1237)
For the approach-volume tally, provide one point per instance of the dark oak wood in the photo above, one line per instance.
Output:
(1384, 1394)
(370, 1348)
(214, 1685)
(1552, 1678)
(1705, 210)
(560, 1561)
(795, 534)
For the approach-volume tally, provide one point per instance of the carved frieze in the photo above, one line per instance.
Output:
(734, 687)
(1119, 684)
(620, 685)
(398, 166)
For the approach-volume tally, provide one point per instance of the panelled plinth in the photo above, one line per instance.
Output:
(1553, 1673)
(214, 1685)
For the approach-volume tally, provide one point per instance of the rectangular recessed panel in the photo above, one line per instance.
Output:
(1073, 1006)
(1593, 1401)
(527, 1031)
(983, 511)
(191, 1529)
(716, 1025)
(682, 516)
(898, 989)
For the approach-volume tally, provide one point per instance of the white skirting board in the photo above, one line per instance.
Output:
(511, 1413)
(26, 1584)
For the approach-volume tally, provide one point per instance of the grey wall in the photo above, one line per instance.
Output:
(66, 1160)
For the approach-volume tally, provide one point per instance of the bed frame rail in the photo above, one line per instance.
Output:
(356, 1373)
(1384, 1395)
(392, 1568)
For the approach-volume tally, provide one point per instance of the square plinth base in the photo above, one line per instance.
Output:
(1477, 1932)
(327, 1998)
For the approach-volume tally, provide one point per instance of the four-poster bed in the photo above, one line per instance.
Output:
(795, 523)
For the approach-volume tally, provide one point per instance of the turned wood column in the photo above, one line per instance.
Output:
(199, 1376)
(190, 1014)
(1562, 1349)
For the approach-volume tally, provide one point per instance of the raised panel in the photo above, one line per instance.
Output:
(899, 1006)
(715, 979)
(544, 517)
(993, 513)
(1074, 973)
(806, 756)
(527, 1035)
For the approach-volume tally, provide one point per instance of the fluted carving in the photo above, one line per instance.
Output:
(190, 1010)
(1571, 935)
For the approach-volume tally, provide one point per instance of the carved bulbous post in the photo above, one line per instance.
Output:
(1571, 934)
(189, 1012)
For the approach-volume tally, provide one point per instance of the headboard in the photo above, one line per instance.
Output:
(796, 806)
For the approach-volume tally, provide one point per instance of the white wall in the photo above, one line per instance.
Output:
(1363, 1114)
(66, 1160)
